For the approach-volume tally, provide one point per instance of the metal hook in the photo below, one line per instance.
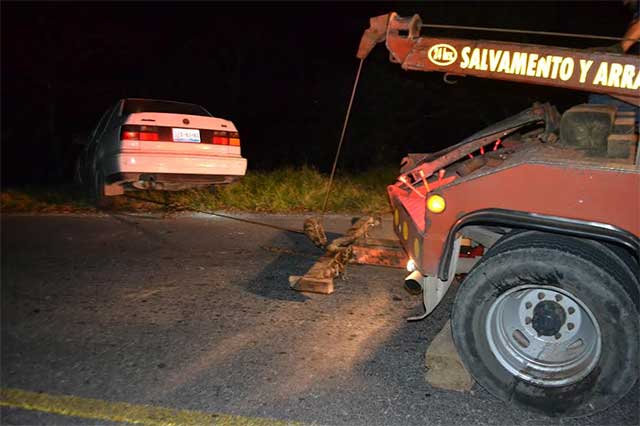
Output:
(446, 78)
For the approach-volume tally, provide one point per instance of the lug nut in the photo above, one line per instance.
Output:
(558, 297)
(571, 310)
(541, 295)
(557, 336)
(527, 320)
(528, 305)
(570, 326)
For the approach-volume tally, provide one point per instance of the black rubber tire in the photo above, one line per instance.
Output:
(592, 275)
(632, 267)
(612, 252)
(100, 200)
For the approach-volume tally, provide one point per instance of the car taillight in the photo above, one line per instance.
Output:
(234, 139)
(220, 138)
(139, 133)
(149, 136)
(128, 135)
(225, 138)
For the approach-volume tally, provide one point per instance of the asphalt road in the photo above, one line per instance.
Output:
(195, 313)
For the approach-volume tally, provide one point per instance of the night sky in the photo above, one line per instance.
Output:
(282, 72)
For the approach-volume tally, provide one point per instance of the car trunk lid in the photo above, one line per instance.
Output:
(180, 133)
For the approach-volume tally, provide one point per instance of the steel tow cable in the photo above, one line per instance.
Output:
(344, 128)
(514, 31)
(179, 207)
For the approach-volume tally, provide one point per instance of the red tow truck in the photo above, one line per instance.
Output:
(548, 317)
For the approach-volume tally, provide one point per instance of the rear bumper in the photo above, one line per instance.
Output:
(170, 178)
(173, 168)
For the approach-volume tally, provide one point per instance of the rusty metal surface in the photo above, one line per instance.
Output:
(378, 252)
(380, 255)
(471, 166)
(537, 113)
(552, 155)
(314, 230)
(382, 242)
(357, 231)
(376, 33)
(319, 278)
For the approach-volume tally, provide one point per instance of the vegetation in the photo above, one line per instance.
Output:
(285, 190)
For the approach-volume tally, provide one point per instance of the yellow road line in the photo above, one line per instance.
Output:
(97, 409)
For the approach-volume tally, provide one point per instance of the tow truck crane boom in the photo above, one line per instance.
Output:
(598, 72)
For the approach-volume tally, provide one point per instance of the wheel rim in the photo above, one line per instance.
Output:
(543, 335)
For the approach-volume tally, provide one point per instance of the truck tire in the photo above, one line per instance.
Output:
(550, 323)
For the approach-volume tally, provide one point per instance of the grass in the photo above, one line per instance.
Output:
(286, 190)
(39, 199)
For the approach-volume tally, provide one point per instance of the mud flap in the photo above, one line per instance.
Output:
(434, 289)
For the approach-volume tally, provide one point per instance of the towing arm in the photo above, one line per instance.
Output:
(614, 74)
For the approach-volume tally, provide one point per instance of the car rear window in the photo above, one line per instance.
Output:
(132, 106)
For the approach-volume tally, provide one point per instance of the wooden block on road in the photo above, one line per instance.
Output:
(445, 369)
(311, 284)
(318, 279)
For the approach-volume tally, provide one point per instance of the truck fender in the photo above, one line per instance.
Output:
(533, 221)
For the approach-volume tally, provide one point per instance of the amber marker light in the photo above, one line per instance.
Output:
(436, 204)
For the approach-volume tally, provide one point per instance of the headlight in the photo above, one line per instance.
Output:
(411, 265)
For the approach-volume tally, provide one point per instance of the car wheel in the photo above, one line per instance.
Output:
(549, 323)
(100, 200)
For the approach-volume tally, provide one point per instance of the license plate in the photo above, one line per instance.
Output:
(186, 135)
